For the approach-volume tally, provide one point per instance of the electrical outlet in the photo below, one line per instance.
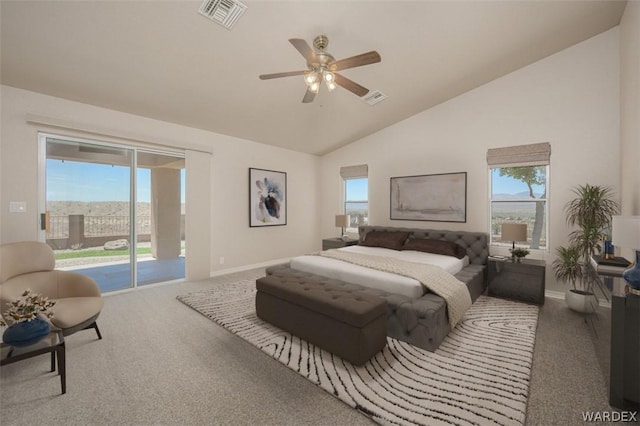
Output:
(221, 260)
(17, 206)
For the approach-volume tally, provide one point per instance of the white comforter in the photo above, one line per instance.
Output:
(380, 280)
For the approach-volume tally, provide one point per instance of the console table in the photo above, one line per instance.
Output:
(624, 372)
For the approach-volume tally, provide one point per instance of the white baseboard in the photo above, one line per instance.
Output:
(554, 294)
(248, 267)
(560, 295)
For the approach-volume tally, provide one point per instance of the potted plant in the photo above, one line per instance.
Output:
(591, 212)
(519, 253)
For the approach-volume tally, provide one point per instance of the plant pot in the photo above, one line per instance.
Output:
(581, 301)
(26, 333)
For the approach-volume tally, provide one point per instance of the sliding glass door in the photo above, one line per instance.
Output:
(92, 190)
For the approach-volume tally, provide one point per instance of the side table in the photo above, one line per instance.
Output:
(523, 281)
(332, 243)
(52, 343)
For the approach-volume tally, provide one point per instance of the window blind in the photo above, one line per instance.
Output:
(522, 155)
(351, 172)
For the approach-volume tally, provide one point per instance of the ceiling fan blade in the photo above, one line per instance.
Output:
(355, 61)
(350, 85)
(282, 74)
(308, 97)
(304, 49)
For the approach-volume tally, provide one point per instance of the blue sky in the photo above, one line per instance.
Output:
(356, 189)
(507, 185)
(76, 181)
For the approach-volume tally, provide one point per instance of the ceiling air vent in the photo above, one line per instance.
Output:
(374, 97)
(224, 12)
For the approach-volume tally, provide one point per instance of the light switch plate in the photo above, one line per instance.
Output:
(17, 206)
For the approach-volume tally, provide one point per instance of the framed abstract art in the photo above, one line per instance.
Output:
(267, 198)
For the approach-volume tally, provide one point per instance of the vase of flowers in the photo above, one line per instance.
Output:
(26, 312)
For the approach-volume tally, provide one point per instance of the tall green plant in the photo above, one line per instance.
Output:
(567, 267)
(586, 240)
(591, 211)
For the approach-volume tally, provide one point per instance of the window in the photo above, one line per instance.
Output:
(519, 195)
(519, 179)
(356, 202)
(356, 195)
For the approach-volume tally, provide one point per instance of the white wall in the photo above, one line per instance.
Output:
(230, 237)
(570, 99)
(630, 108)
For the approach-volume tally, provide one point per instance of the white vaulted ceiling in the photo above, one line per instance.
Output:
(161, 59)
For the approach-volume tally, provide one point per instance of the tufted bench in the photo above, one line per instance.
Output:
(422, 321)
(325, 312)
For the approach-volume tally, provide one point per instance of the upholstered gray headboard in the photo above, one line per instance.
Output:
(476, 243)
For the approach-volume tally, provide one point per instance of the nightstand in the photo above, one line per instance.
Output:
(333, 243)
(522, 281)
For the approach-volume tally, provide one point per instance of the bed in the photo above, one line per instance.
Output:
(334, 268)
(415, 314)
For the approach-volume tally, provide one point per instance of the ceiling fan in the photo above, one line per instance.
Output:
(322, 66)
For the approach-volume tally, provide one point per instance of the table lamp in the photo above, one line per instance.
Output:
(625, 232)
(343, 221)
(514, 232)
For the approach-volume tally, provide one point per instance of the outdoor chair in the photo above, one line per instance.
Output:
(30, 265)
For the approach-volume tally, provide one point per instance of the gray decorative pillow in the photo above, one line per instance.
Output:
(448, 248)
(386, 239)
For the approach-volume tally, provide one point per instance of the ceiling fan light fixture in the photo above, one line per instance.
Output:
(330, 85)
(314, 87)
(328, 76)
(311, 78)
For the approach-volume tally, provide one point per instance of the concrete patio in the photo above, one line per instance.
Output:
(117, 275)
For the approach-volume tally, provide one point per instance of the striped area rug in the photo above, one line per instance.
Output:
(479, 375)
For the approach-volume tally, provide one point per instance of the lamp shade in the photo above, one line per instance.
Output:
(343, 220)
(625, 231)
(514, 232)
